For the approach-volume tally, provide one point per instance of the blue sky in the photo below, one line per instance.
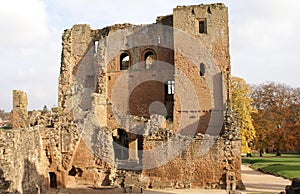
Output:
(264, 39)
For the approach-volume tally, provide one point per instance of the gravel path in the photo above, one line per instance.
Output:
(256, 182)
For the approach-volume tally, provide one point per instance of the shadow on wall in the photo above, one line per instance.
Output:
(4, 184)
(32, 181)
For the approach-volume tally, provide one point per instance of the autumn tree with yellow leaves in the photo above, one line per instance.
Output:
(242, 105)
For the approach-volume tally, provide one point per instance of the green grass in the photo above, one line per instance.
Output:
(287, 166)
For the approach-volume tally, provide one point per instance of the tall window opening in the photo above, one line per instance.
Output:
(124, 61)
(149, 59)
(53, 182)
(121, 144)
(171, 87)
(96, 46)
(169, 98)
(202, 26)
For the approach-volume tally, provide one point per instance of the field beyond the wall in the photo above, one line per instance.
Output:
(287, 165)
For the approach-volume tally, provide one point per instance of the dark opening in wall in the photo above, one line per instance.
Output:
(169, 98)
(121, 144)
(202, 26)
(124, 61)
(149, 59)
(75, 171)
(193, 11)
(72, 172)
(202, 69)
(53, 182)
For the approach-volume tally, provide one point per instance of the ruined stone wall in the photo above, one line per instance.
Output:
(191, 168)
(19, 113)
(210, 48)
(100, 97)
(221, 161)
(198, 147)
(23, 161)
(82, 95)
(201, 161)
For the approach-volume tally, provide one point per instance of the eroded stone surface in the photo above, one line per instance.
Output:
(146, 106)
(19, 113)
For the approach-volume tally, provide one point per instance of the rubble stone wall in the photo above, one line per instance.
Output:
(19, 113)
(23, 161)
(198, 147)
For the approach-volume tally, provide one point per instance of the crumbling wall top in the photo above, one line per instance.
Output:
(214, 6)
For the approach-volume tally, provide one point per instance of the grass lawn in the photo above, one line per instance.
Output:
(288, 165)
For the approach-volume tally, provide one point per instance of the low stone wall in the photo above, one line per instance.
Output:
(22, 162)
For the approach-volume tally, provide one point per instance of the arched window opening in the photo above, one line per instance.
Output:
(124, 61)
(202, 69)
(149, 59)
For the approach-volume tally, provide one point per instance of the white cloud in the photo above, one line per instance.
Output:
(23, 23)
(26, 52)
(264, 36)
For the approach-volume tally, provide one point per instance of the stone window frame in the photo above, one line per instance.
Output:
(202, 21)
(121, 66)
(149, 50)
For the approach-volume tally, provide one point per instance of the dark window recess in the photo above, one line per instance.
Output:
(208, 10)
(202, 69)
(202, 26)
(193, 11)
(53, 182)
(75, 171)
(149, 60)
(124, 61)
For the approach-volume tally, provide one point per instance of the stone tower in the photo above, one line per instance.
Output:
(19, 113)
(152, 100)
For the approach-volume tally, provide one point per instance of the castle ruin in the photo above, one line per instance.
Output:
(148, 105)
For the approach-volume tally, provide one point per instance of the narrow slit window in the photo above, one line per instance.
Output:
(202, 69)
(171, 87)
(96, 46)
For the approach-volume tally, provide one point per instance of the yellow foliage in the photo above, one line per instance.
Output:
(241, 103)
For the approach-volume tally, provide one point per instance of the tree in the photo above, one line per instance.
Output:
(242, 104)
(45, 108)
(277, 118)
